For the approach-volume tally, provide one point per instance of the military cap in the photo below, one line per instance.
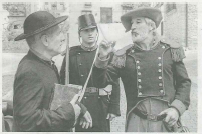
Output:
(86, 21)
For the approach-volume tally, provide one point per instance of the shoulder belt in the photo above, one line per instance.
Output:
(119, 57)
(177, 50)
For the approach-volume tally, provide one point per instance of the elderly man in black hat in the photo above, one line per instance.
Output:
(101, 105)
(156, 82)
(36, 76)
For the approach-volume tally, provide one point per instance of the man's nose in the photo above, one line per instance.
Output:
(90, 32)
(133, 26)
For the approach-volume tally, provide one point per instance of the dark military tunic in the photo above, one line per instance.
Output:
(80, 62)
(157, 74)
(33, 92)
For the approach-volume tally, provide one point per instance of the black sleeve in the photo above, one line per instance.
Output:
(183, 83)
(29, 113)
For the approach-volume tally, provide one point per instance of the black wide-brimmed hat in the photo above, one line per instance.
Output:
(38, 22)
(147, 12)
(86, 21)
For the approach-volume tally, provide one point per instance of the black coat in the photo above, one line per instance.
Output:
(80, 61)
(33, 92)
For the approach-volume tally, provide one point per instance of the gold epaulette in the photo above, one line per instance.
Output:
(119, 57)
(177, 50)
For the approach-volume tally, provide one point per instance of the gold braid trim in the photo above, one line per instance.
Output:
(119, 61)
(177, 54)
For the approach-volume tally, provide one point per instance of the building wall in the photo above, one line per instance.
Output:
(175, 24)
(192, 26)
(180, 25)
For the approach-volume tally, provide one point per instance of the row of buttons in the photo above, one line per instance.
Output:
(139, 73)
(140, 80)
(160, 71)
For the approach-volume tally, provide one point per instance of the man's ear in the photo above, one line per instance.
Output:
(44, 40)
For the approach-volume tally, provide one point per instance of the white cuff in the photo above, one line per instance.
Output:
(179, 105)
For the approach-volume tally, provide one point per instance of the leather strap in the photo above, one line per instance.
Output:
(146, 116)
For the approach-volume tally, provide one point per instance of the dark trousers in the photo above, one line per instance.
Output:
(98, 109)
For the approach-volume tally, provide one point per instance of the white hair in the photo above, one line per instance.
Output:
(152, 24)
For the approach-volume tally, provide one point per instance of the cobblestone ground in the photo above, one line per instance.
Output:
(189, 118)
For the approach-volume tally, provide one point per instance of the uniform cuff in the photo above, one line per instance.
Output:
(101, 63)
(179, 106)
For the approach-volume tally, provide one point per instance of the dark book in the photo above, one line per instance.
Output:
(64, 94)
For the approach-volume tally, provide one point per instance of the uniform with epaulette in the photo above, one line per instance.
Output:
(99, 102)
(154, 80)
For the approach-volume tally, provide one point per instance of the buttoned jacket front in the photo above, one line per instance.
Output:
(80, 61)
(151, 73)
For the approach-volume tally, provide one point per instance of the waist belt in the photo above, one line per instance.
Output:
(91, 90)
(146, 116)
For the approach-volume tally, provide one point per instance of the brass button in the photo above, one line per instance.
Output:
(160, 70)
(140, 86)
(162, 91)
(139, 73)
(85, 97)
(140, 93)
(79, 53)
(160, 64)
(132, 51)
(98, 97)
(160, 84)
(138, 67)
(138, 61)
(80, 64)
(81, 75)
(160, 77)
(163, 47)
(139, 80)
(159, 58)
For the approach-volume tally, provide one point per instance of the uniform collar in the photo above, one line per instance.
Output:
(89, 48)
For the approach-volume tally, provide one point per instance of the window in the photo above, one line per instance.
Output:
(86, 12)
(87, 4)
(54, 6)
(105, 15)
(170, 7)
(127, 9)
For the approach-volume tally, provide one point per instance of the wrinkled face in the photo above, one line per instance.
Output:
(139, 29)
(88, 35)
(56, 41)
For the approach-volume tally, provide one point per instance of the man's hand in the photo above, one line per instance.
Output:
(172, 116)
(111, 116)
(86, 121)
(77, 109)
(105, 48)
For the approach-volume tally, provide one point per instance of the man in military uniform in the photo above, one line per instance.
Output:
(156, 82)
(101, 105)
